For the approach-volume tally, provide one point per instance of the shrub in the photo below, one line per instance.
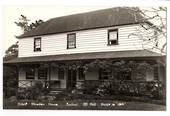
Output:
(90, 86)
(152, 89)
(33, 92)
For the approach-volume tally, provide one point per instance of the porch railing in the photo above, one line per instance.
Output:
(45, 83)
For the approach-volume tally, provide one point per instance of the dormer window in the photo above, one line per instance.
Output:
(71, 41)
(113, 37)
(37, 44)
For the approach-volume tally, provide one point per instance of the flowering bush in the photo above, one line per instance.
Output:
(130, 88)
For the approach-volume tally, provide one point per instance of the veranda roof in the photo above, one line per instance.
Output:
(86, 56)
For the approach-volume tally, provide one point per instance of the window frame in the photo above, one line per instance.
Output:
(101, 71)
(59, 76)
(122, 75)
(37, 49)
(81, 74)
(155, 71)
(26, 74)
(44, 76)
(68, 41)
(109, 31)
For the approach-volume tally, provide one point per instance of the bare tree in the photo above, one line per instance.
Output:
(154, 23)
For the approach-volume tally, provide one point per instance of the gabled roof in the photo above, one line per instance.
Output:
(90, 20)
(86, 56)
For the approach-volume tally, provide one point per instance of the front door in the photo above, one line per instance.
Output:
(71, 81)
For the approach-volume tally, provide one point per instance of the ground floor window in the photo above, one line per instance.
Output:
(155, 73)
(81, 74)
(60, 73)
(124, 75)
(30, 73)
(141, 74)
(42, 73)
(105, 74)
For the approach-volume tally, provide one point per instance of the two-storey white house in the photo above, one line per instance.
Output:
(58, 52)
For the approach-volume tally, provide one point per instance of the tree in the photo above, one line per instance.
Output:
(11, 52)
(36, 24)
(9, 82)
(156, 17)
(24, 23)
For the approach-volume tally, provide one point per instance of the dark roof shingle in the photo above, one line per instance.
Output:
(95, 19)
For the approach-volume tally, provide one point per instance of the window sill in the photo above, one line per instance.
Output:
(81, 79)
(60, 79)
(112, 44)
(42, 79)
(30, 79)
(71, 48)
(37, 50)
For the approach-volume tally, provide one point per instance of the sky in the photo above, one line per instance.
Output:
(12, 14)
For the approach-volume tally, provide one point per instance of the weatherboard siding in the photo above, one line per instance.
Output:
(92, 40)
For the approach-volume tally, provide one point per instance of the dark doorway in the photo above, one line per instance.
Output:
(71, 81)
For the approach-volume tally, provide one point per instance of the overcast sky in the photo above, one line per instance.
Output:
(12, 14)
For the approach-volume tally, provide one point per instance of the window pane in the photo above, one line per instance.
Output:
(37, 46)
(60, 73)
(105, 73)
(141, 74)
(30, 73)
(71, 36)
(71, 40)
(81, 74)
(112, 42)
(113, 35)
(124, 75)
(42, 74)
(37, 41)
(71, 44)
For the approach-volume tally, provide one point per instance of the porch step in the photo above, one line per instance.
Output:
(54, 92)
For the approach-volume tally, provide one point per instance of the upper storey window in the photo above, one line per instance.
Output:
(113, 37)
(71, 40)
(37, 44)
